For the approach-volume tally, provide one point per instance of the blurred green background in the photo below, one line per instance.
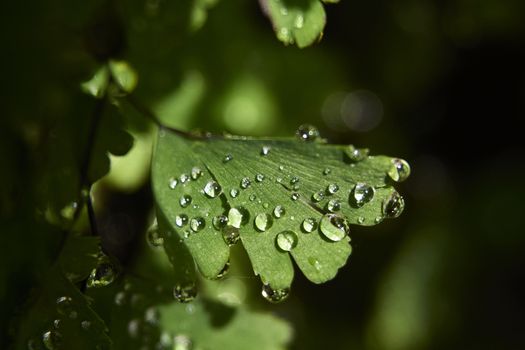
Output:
(438, 83)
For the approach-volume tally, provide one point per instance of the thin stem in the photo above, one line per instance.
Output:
(91, 216)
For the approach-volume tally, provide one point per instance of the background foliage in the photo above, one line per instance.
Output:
(438, 83)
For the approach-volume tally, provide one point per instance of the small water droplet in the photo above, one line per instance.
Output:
(64, 305)
(332, 188)
(265, 205)
(309, 225)
(307, 132)
(224, 271)
(181, 220)
(356, 154)
(153, 236)
(327, 171)
(212, 189)
(399, 170)
(85, 325)
(57, 323)
(315, 263)
(172, 182)
(334, 227)
(231, 235)
(378, 219)
(294, 180)
(197, 224)
(281, 168)
(299, 21)
(52, 340)
(220, 221)
(134, 328)
(245, 183)
(265, 150)
(294, 196)
(279, 211)
(227, 158)
(101, 276)
(259, 177)
(184, 178)
(318, 196)
(152, 315)
(274, 295)
(360, 219)
(284, 35)
(120, 298)
(283, 11)
(362, 193)
(185, 200)
(286, 240)
(182, 342)
(234, 192)
(333, 205)
(263, 222)
(393, 206)
(196, 173)
(185, 293)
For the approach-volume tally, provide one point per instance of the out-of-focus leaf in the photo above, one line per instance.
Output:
(79, 257)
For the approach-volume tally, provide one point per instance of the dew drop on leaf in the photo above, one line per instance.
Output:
(185, 200)
(238, 216)
(332, 188)
(85, 325)
(252, 197)
(334, 227)
(265, 150)
(399, 170)
(184, 178)
(227, 158)
(172, 183)
(197, 224)
(360, 219)
(182, 342)
(181, 220)
(327, 171)
(362, 193)
(294, 196)
(286, 240)
(356, 154)
(274, 295)
(64, 305)
(152, 316)
(120, 298)
(279, 211)
(185, 293)
(259, 177)
(52, 340)
(212, 189)
(134, 328)
(299, 21)
(318, 196)
(333, 205)
(220, 221)
(57, 323)
(230, 234)
(307, 132)
(101, 276)
(309, 225)
(224, 271)
(153, 236)
(263, 222)
(245, 183)
(196, 173)
(393, 206)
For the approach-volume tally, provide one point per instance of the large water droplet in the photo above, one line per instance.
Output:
(399, 170)
(363, 193)
(263, 222)
(332, 188)
(52, 340)
(238, 216)
(333, 205)
(220, 221)
(393, 206)
(230, 235)
(184, 178)
(294, 196)
(274, 295)
(334, 227)
(153, 236)
(265, 150)
(279, 211)
(307, 132)
(212, 189)
(185, 200)
(245, 183)
(227, 158)
(197, 224)
(286, 240)
(196, 173)
(101, 276)
(185, 293)
(181, 220)
(172, 183)
(356, 154)
(259, 177)
(318, 196)
(234, 192)
(309, 225)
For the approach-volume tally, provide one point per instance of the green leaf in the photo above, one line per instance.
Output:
(287, 173)
(296, 21)
(61, 318)
(79, 257)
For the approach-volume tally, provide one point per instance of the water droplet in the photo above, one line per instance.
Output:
(134, 328)
(299, 21)
(393, 206)
(294, 196)
(356, 154)
(363, 193)
(281, 168)
(263, 222)
(220, 221)
(315, 263)
(332, 188)
(185, 293)
(399, 170)
(334, 227)
(283, 11)
(52, 340)
(245, 183)
(333, 205)
(360, 219)
(196, 173)
(309, 225)
(265, 150)
(152, 316)
(184, 178)
(234, 192)
(172, 182)
(64, 305)
(181, 220)
(85, 325)
(327, 171)
(227, 158)
(279, 211)
(307, 132)
(274, 295)
(120, 298)
(212, 189)
(197, 224)
(378, 219)
(259, 177)
(265, 205)
(153, 236)
(252, 197)
(286, 240)
(101, 276)
(294, 180)
(284, 35)
(318, 196)
(224, 271)
(57, 323)
(230, 235)
(182, 342)
(185, 200)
